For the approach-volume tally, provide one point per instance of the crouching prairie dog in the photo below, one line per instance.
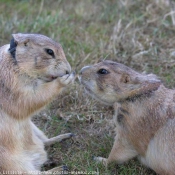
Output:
(144, 114)
(33, 71)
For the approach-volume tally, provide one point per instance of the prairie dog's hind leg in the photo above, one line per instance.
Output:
(58, 138)
(49, 141)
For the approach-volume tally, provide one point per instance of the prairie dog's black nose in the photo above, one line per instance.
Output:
(68, 68)
(83, 69)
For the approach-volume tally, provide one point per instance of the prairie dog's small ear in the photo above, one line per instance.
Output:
(147, 78)
(20, 38)
(125, 78)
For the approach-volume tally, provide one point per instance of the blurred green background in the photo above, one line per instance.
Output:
(138, 33)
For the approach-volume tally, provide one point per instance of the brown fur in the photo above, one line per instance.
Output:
(144, 114)
(26, 86)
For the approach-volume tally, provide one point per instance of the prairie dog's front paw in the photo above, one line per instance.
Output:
(102, 160)
(67, 79)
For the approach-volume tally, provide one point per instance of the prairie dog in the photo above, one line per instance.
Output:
(33, 71)
(144, 114)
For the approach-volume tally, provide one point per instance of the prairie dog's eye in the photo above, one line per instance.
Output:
(50, 52)
(25, 44)
(102, 71)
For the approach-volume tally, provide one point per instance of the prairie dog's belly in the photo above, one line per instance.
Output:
(160, 150)
(37, 153)
(18, 138)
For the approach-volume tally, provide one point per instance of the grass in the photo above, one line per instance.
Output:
(138, 33)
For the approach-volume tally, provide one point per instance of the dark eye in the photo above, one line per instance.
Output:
(25, 44)
(50, 52)
(102, 71)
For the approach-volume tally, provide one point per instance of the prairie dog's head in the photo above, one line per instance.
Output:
(38, 57)
(110, 82)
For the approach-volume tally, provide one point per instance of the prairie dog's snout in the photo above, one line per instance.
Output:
(81, 72)
(83, 69)
(95, 81)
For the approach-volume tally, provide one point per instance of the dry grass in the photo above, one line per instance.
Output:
(138, 33)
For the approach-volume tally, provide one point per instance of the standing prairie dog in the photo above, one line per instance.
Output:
(144, 114)
(33, 70)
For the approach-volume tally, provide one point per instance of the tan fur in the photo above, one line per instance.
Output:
(144, 114)
(26, 86)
